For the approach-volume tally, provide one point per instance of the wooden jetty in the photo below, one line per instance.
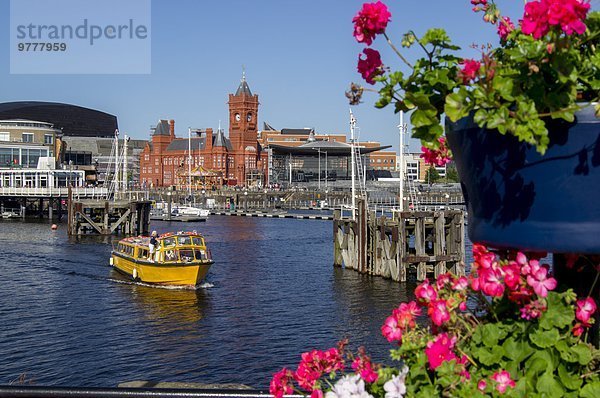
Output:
(105, 217)
(427, 242)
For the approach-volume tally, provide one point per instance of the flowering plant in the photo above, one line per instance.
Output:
(501, 331)
(543, 66)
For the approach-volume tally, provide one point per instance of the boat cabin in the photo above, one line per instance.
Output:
(172, 248)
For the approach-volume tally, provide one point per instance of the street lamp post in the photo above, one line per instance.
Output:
(319, 150)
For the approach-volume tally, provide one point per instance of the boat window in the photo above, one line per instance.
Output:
(171, 255)
(200, 254)
(184, 240)
(198, 241)
(168, 242)
(142, 253)
(186, 255)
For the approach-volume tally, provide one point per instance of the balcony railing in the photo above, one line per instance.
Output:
(80, 192)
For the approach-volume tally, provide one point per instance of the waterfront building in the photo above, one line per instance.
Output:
(216, 159)
(71, 120)
(95, 156)
(415, 167)
(24, 142)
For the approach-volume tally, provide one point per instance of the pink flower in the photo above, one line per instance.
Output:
(504, 381)
(482, 385)
(362, 365)
(370, 21)
(535, 19)
(540, 15)
(584, 309)
(460, 284)
(281, 383)
(505, 26)
(569, 14)
(425, 293)
(470, 70)
(540, 282)
(442, 280)
(440, 350)
(390, 329)
(438, 312)
(316, 394)
(491, 282)
(521, 259)
(439, 156)
(370, 67)
(533, 310)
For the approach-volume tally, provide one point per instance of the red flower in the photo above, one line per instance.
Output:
(440, 350)
(370, 21)
(407, 314)
(370, 67)
(470, 70)
(281, 384)
(362, 365)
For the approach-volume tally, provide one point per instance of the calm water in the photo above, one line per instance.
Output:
(66, 318)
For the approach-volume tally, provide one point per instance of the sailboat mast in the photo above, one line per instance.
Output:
(125, 139)
(117, 166)
(190, 161)
(401, 168)
(353, 163)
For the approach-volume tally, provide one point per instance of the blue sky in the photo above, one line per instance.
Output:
(299, 56)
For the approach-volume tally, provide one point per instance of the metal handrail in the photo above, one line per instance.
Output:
(95, 392)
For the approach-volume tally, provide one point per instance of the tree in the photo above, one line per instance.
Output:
(432, 175)
(451, 173)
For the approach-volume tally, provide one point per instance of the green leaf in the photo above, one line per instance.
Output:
(591, 390)
(539, 362)
(547, 384)
(491, 333)
(504, 86)
(420, 118)
(559, 314)
(544, 338)
(583, 352)
(455, 107)
(489, 356)
(517, 350)
(569, 379)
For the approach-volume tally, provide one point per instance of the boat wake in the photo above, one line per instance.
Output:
(205, 285)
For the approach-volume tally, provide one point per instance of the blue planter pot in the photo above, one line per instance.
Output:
(517, 198)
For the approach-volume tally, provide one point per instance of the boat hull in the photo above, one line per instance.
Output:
(188, 274)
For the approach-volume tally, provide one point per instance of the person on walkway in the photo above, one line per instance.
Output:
(153, 245)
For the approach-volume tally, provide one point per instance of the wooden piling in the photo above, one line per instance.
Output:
(426, 244)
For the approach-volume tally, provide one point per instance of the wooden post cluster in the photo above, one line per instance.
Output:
(426, 243)
(107, 217)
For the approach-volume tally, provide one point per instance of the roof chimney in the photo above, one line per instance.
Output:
(172, 127)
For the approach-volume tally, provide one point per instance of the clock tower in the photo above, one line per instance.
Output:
(243, 117)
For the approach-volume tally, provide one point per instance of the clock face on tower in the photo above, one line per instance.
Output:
(237, 117)
(249, 117)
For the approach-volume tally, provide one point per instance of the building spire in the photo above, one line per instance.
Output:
(243, 88)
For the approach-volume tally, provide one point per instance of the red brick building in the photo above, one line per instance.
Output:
(215, 159)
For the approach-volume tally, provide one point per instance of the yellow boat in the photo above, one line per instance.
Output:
(181, 259)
